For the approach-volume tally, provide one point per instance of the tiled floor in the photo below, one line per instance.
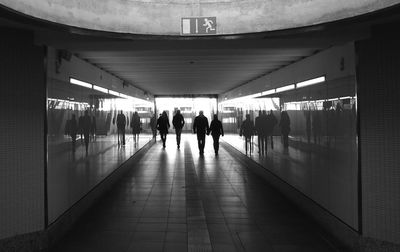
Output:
(329, 176)
(175, 200)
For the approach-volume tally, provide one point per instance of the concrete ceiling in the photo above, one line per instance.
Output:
(196, 66)
(170, 65)
(163, 17)
(193, 71)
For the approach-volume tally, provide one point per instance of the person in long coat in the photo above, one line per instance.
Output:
(136, 127)
(247, 130)
(201, 128)
(121, 123)
(163, 126)
(216, 131)
(153, 125)
(178, 123)
(271, 122)
(73, 130)
(285, 128)
(259, 126)
(87, 123)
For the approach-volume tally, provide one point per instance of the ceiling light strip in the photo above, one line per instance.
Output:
(111, 92)
(310, 82)
(268, 92)
(104, 90)
(101, 89)
(285, 88)
(80, 83)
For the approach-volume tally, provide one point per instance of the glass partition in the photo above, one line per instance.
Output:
(318, 155)
(84, 143)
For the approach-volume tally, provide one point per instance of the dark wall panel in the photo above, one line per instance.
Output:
(379, 102)
(22, 117)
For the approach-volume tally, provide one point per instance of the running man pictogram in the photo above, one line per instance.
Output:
(209, 25)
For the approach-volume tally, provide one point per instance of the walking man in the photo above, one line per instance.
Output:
(216, 131)
(200, 126)
(260, 133)
(121, 122)
(86, 123)
(178, 123)
(163, 126)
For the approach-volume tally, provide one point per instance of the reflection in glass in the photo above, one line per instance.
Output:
(82, 138)
(313, 146)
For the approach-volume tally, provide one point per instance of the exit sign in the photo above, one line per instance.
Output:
(199, 26)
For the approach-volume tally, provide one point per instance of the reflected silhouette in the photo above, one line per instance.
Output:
(247, 130)
(260, 127)
(284, 124)
(121, 123)
(271, 122)
(136, 126)
(153, 125)
(72, 130)
(93, 128)
(87, 122)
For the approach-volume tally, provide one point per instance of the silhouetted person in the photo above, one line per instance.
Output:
(163, 126)
(136, 126)
(247, 130)
(87, 122)
(201, 128)
(153, 125)
(73, 130)
(178, 123)
(93, 128)
(216, 131)
(271, 122)
(285, 128)
(260, 132)
(80, 127)
(316, 126)
(264, 129)
(121, 122)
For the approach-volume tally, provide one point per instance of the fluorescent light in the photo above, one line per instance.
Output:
(311, 82)
(251, 96)
(268, 92)
(285, 88)
(80, 83)
(113, 93)
(101, 89)
(125, 96)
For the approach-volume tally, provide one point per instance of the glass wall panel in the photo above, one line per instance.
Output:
(320, 157)
(84, 146)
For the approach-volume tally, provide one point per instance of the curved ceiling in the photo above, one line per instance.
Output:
(163, 17)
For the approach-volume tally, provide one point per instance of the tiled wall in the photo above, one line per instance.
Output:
(22, 120)
(379, 90)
